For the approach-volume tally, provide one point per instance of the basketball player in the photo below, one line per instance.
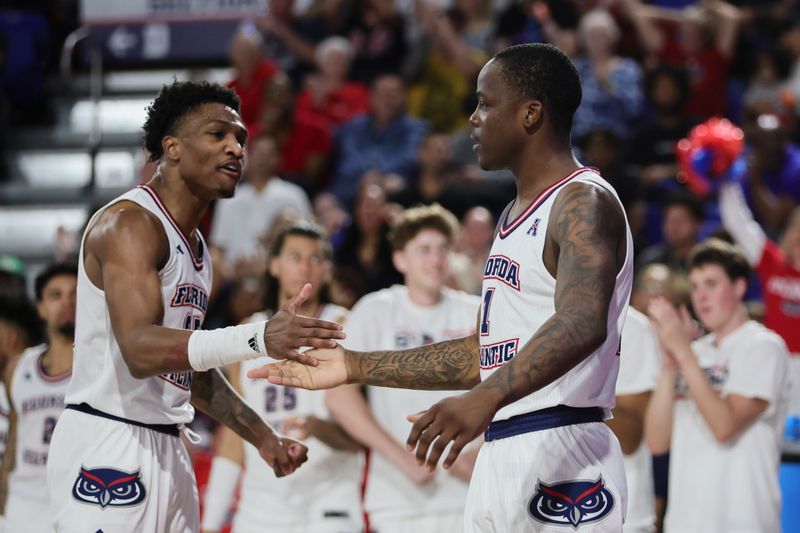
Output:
(401, 495)
(323, 496)
(36, 382)
(720, 403)
(20, 328)
(116, 462)
(543, 365)
(638, 373)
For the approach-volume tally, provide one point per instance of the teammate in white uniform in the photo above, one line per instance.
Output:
(323, 497)
(638, 373)
(544, 363)
(116, 462)
(720, 403)
(36, 382)
(401, 495)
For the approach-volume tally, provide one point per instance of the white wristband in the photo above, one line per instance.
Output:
(220, 347)
(222, 480)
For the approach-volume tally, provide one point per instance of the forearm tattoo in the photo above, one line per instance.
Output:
(212, 394)
(448, 365)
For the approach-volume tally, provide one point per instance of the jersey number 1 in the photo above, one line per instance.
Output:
(487, 304)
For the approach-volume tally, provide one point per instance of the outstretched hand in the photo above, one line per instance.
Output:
(287, 332)
(329, 371)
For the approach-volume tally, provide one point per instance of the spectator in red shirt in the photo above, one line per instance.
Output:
(252, 72)
(701, 39)
(328, 93)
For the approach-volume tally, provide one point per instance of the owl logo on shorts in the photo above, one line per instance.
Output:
(571, 503)
(108, 487)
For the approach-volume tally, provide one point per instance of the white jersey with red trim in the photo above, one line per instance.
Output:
(38, 401)
(327, 486)
(519, 296)
(100, 376)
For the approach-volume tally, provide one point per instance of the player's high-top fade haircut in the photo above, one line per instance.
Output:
(543, 72)
(174, 102)
(718, 252)
(413, 220)
(51, 271)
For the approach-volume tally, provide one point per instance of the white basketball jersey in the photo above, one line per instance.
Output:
(389, 320)
(519, 296)
(38, 400)
(100, 376)
(328, 474)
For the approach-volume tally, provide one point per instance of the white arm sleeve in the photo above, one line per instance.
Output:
(222, 481)
(738, 221)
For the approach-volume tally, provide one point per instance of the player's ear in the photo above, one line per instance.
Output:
(532, 114)
(171, 147)
(399, 261)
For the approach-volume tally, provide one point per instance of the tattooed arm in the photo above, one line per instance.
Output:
(212, 394)
(448, 365)
(585, 250)
(587, 246)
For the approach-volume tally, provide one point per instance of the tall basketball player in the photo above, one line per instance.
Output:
(542, 367)
(116, 462)
(37, 383)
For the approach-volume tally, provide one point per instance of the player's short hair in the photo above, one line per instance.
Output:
(173, 103)
(413, 220)
(299, 228)
(55, 269)
(20, 313)
(718, 252)
(543, 72)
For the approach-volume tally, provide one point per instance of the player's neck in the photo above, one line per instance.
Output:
(58, 357)
(540, 167)
(183, 206)
(423, 297)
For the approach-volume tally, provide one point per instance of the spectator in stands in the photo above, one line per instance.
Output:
(305, 140)
(377, 32)
(536, 21)
(328, 93)
(720, 402)
(240, 223)
(252, 72)
(386, 139)
(700, 38)
(437, 172)
(773, 167)
(290, 40)
(446, 67)
(471, 249)
(652, 148)
(681, 218)
(604, 150)
(612, 92)
(778, 268)
(364, 256)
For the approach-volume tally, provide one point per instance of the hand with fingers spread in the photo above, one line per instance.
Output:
(458, 420)
(283, 454)
(287, 332)
(329, 372)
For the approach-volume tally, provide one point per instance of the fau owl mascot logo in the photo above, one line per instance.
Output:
(108, 487)
(571, 503)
